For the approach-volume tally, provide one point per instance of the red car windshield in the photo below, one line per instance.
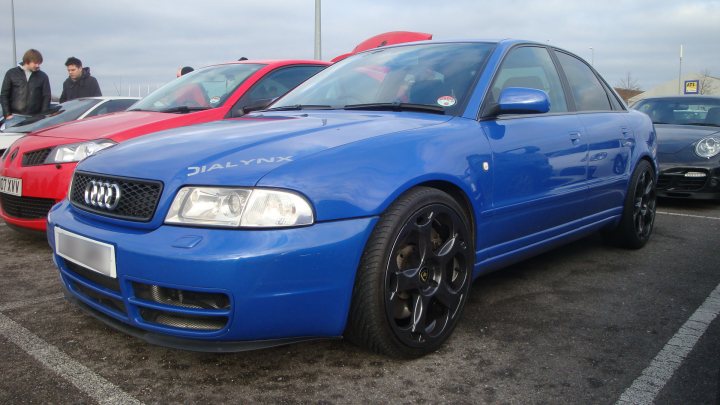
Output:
(202, 89)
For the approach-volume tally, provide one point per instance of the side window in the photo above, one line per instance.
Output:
(274, 85)
(111, 107)
(533, 68)
(587, 90)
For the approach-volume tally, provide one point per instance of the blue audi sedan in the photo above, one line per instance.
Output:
(362, 204)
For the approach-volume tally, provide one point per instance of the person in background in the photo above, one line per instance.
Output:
(79, 82)
(25, 89)
(184, 70)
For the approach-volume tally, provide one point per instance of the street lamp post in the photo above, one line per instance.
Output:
(12, 13)
(680, 72)
(318, 43)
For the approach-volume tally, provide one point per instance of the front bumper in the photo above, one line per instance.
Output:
(689, 182)
(271, 286)
(42, 187)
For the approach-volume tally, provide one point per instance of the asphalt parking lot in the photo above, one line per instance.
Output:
(585, 323)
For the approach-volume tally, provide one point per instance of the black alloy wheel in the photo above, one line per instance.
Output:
(636, 224)
(644, 207)
(415, 276)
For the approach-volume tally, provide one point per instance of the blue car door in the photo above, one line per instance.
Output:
(609, 137)
(539, 162)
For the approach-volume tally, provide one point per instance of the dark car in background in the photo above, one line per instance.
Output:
(688, 131)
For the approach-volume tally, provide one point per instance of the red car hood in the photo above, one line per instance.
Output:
(124, 125)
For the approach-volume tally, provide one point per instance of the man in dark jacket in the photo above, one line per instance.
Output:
(79, 82)
(25, 89)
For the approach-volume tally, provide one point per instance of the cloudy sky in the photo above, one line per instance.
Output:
(133, 45)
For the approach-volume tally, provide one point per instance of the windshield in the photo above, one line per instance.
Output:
(682, 111)
(439, 76)
(202, 89)
(69, 111)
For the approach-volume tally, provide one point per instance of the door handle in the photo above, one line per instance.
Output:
(628, 140)
(575, 137)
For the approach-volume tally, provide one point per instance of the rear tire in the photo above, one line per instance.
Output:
(414, 276)
(638, 216)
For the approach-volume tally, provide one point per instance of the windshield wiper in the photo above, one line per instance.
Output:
(300, 107)
(183, 109)
(396, 107)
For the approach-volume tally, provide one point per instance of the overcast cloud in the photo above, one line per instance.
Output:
(131, 44)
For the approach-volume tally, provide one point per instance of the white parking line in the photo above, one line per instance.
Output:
(52, 358)
(652, 380)
(686, 215)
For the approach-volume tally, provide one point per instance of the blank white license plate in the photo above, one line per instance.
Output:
(94, 255)
(9, 185)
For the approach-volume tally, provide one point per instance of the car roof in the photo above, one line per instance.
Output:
(681, 97)
(273, 62)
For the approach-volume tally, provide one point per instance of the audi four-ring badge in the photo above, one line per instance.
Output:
(362, 204)
(102, 194)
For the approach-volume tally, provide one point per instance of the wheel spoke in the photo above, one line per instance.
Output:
(448, 249)
(424, 231)
(407, 280)
(419, 313)
(448, 298)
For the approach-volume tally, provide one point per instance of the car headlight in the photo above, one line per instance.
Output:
(75, 152)
(239, 207)
(708, 147)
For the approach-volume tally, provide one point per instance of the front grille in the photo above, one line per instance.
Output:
(181, 298)
(106, 301)
(137, 202)
(183, 321)
(93, 276)
(192, 311)
(184, 302)
(36, 157)
(26, 207)
(675, 180)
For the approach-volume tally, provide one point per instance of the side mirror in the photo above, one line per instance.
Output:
(521, 100)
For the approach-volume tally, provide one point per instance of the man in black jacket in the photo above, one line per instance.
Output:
(79, 82)
(25, 89)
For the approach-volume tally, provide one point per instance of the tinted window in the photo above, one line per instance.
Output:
(587, 90)
(530, 67)
(111, 106)
(275, 84)
(682, 110)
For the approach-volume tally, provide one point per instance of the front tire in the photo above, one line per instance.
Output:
(636, 223)
(414, 276)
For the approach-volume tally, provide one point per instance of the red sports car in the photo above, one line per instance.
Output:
(35, 172)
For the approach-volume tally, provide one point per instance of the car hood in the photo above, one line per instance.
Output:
(241, 151)
(674, 138)
(110, 125)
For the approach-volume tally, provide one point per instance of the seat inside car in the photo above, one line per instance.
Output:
(713, 116)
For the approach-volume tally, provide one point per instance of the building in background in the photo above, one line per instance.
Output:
(691, 84)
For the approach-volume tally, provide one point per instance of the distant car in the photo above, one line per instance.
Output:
(35, 173)
(688, 130)
(363, 203)
(20, 125)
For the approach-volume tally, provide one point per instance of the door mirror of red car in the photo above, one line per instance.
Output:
(521, 100)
